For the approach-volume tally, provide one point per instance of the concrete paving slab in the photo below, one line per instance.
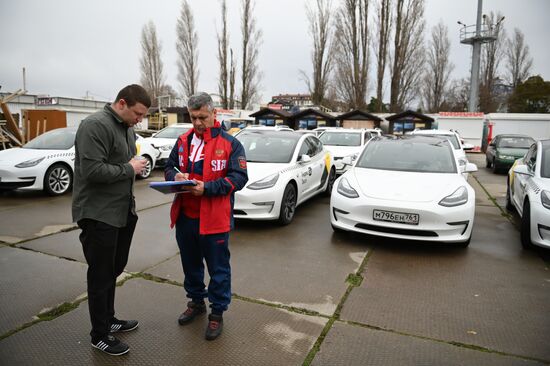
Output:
(253, 334)
(153, 241)
(31, 282)
(489, 295)
(27, 215)
(349, 345)
(289, 265)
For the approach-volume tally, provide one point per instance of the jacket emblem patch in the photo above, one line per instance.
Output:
(219, 152)
(242, 162)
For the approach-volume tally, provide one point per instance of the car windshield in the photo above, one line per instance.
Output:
(409, 155)
(545, 162)
(450, 137)
(172, 132)
(268, 147)
(58, 139)
(515, 142)
(341, 138)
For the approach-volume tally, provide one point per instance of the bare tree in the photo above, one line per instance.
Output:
(491, 55)
(152, 78)
(382, 26)
(251, 38)
(352, 56)
(518, 60)
(438, 69)
(223, 40)
(457, 96)
(232, 73)
(187, 47)
(319, 16)
(407, 57)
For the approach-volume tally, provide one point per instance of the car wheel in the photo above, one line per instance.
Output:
(146, 172)
(288, 205)
(525, 231)
(330, 183)
(58, 180)
(509, 205)
(487, 163)
(495, 168)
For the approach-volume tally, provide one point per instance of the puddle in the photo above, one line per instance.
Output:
(287, 338)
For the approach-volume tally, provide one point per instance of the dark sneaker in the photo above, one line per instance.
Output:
(215, 326)
(123, 325)
(193, 309)
(111, 345)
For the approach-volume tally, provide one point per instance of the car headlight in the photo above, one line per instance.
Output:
(545, 198)
(29, 163)
(345, 189)
(506, 157)
(457, 198)
(266, 182)
(166, 147)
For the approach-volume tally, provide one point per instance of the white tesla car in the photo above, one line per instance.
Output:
(342, 142)
(47, 162)
(285, 169)
(145, 149)
(529, 193)
(165, 139)
(405, 188)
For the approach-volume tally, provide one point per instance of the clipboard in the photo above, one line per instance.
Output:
(172, 186)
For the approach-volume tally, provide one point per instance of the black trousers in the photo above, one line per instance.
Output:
(106, 249)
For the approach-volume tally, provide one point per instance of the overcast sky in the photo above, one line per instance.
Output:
(73, 47)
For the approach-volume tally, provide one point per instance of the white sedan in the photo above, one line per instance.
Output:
(529, 193)
(47, 162)
(405, 188)
(165, 139)
(342, 142)
(285, 169)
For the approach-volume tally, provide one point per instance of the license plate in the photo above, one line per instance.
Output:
(399, 217)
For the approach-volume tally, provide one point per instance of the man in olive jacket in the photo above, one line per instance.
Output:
(104, 206)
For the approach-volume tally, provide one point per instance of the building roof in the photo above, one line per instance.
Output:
(410, 113)
(358, 114)
(278, 112)
(316, 112)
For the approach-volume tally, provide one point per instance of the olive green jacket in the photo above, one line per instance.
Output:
(103, 176)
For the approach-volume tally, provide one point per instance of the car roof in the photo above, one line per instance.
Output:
(433, 132)
(415, 138)
(347, 130)
(271, 133)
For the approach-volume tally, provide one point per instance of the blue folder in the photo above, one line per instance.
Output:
(172, 186)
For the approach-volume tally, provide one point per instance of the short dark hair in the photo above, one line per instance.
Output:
(133, 94)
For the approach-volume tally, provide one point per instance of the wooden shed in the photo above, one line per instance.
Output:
(310, 118)
(401, 123)
(359, 119)
(271, 117)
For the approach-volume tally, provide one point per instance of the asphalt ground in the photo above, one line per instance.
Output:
(301, 294)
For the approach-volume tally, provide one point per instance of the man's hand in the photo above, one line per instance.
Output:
(197, 190)
(138, 163)
(181, 176)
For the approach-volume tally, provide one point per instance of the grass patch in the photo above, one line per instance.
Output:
(354, 280)
(58, 311)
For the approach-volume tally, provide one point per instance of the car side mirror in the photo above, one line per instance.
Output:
(348, 160)
(305, 158)
(522, 169)
(470, 168)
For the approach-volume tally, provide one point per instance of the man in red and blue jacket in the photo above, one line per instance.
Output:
(203, 215)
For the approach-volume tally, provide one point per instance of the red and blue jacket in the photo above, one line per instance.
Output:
(223, 173)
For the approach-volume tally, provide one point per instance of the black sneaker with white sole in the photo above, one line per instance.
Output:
(123, 325)
(111, 345)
